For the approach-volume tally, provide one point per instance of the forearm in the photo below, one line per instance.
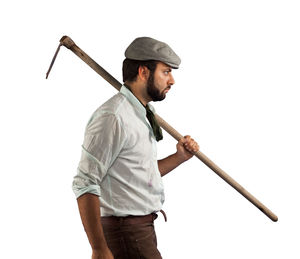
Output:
(89, 208)
(186, 148)
(169, 163)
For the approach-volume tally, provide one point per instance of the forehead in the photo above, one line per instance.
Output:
(161, 65)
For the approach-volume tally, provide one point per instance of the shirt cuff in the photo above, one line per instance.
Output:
(93, 189)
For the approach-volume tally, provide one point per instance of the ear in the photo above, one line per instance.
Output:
(143, 73)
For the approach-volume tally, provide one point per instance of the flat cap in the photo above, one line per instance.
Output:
(146, 48)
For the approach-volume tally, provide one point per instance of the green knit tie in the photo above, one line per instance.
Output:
(154, 124)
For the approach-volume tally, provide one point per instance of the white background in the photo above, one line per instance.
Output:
(236, 93)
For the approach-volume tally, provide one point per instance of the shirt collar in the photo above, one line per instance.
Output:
(141, 110)
(133, 100)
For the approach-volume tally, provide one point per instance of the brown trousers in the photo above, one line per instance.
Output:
(131, 237)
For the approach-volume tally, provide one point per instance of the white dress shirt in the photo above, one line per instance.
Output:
(118, 161)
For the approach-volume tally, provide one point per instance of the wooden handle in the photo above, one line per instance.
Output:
(69, 43)
(175, 134)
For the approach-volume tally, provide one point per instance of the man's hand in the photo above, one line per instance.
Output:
(102, 254)
(186, 147)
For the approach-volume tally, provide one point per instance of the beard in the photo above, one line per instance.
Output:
(153, 91)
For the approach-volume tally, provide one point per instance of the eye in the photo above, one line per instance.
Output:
(167, 72)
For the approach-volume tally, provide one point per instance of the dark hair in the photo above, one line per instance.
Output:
(131, 67)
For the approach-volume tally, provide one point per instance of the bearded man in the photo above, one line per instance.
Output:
(118, 185)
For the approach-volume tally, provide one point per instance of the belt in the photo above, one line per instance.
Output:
(131, 220)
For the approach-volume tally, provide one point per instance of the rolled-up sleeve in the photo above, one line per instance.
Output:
(103, 141)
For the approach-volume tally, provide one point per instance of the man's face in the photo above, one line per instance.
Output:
(159, 82)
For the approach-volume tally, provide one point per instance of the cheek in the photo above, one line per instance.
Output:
(161, 82)
(160, 86)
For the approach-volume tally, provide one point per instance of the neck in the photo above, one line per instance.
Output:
(139, 91)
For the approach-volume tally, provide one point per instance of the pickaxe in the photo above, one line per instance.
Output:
(69, 43)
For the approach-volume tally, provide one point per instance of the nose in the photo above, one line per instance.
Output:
(171, 80)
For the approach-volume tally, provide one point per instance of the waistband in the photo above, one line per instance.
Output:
(131, 220)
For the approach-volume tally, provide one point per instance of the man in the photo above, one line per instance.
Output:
(118, 185)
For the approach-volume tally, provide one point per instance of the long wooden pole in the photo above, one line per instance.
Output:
(69, 43)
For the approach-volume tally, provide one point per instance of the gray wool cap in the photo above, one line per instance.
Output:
(146, 48)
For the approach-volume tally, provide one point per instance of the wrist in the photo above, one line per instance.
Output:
(179, 158)
(99, 244)
(100, 247)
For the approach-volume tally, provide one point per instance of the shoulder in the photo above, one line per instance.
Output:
(112, 105)
(107, 115)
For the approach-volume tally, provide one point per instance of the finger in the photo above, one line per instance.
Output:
(181, 141)
(192, 146)
(196, 147)
(189, 147)
(190, 142)
(187, 137)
